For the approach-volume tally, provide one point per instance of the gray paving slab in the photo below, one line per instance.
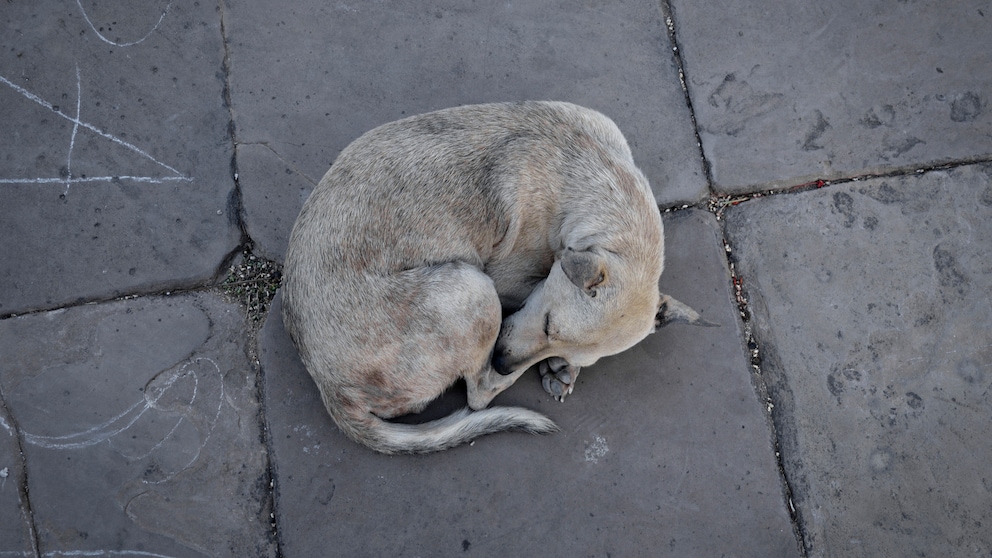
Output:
(871, 307)
(16, 532)
(115, 171)
(139, 422)
(801, 90)
(664, 450)
(310, 77)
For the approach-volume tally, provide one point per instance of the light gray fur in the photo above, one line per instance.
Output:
(427, 231)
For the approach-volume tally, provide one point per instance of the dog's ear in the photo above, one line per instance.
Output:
(585, 269)
(672, 311)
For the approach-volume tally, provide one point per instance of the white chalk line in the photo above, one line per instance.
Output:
(97, 432)
(192, 399)
(57, 553)
(7, 427)
(105, 431)
(150, 179)
(108, 41)
(87, 125)
(210, 429)
(76, 124)
(75, 128)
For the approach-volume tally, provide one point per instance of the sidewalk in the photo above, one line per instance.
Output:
(826, 176)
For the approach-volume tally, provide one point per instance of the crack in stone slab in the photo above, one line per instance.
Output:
(20, 474)
(246, 244)
(668, 14)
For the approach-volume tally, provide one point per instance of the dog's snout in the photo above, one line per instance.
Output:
(501, 363)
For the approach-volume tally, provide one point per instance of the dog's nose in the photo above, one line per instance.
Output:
(500, 363)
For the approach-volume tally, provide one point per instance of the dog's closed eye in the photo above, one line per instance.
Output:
(547, 325)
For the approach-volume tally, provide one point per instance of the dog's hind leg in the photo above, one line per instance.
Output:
(468, 299)
(448, 317)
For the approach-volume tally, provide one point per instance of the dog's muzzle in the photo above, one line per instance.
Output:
(501, 363)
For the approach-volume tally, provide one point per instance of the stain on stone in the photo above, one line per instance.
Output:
(924, 320)
(885, 194)
(825, 275)
(740, 103)
(986, 197)
(835, 385)
(810, 143)
(838, 379)
(878, 116)
(871, 222)
(966, 107)
(914, 400)
(896, 147)
(882, 343)
(844, 204)
(722, 96)
(326, 498)
(968, 370)
(949, 275)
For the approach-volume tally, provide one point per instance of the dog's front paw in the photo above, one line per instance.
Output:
(558, 377)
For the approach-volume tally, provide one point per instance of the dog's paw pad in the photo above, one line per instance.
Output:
(558, 377)
(553, 386)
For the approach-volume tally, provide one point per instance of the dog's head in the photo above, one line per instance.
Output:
(594, 303)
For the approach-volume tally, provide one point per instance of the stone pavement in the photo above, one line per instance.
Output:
(829, 171)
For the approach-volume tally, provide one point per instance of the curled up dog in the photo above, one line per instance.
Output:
(427, 231)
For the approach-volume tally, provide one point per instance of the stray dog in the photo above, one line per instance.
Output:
(427, 231)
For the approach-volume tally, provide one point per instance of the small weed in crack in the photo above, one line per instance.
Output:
(253, 282)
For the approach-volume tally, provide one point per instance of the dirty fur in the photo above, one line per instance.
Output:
(427, 231)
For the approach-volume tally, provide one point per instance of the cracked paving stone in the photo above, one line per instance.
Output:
(115, 170)
(139, 423)
(828, 90)
(870, 303)
(304, 89)
(16, 531)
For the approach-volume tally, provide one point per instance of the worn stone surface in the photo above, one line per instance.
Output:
(873, 300)
(115, 167)
(139, 423)
(663, 447)
(118, 177)
(810, 90)
(15, 524)
(317, 75)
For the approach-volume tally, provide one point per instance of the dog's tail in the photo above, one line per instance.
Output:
(457, 428)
